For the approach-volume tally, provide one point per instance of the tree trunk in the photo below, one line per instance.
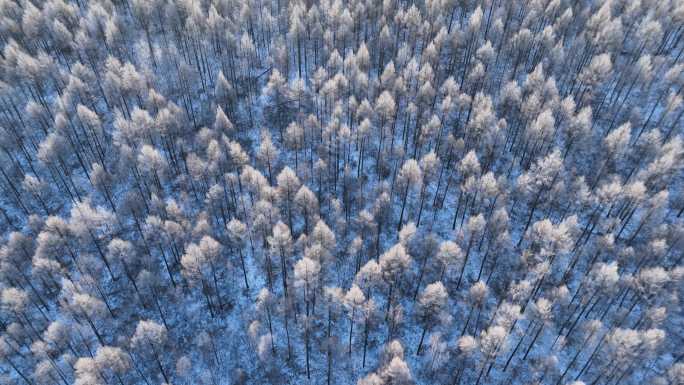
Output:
(534, 340)
(403, 205)
(306, 337)
(244, 270)
(365, 341)
(422, 337)
(351, 330)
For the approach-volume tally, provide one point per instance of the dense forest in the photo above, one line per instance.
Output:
(394, 192)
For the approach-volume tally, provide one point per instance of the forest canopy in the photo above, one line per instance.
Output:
(394, 192)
